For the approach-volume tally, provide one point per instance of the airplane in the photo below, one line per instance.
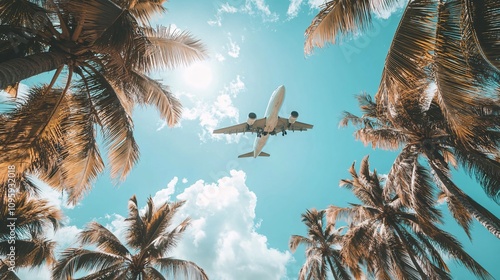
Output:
(271, 124)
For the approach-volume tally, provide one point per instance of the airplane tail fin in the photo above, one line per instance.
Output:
(250, 154)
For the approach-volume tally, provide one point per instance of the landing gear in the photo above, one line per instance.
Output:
(283, 133)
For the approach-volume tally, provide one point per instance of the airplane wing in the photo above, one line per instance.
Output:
(283, 124)
(256, 127)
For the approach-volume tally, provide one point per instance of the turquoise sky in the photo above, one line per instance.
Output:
(244, 210)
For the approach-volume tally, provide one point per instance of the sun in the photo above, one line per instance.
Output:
(198, 75)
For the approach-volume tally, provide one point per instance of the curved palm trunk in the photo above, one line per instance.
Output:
(403, 240)
(332, 268)
(18, 69)
(451, 188)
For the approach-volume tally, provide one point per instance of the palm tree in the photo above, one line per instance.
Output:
(391, 240)
(106, 48)
(148, 234)
(321, 251)
(427, 134)
(30, 219)
(442, 50)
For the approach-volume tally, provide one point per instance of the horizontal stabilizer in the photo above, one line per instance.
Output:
(250, 154)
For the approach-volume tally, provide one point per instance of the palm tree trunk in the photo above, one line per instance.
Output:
(332, 268)
(18, 69)
(403, 240)
(452, 189)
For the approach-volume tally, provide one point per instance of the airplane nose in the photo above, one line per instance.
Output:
(280, 90)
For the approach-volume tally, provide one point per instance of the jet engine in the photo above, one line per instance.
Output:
(293, 117)
(251, 118)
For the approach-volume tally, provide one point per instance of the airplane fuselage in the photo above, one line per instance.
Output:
(271, 115)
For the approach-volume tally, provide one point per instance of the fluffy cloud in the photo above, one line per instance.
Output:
(219, 57)
(56, 198)
(164, 194)
(315, 4)
(233, 49)
(211, 114)
(295, 5)
(222, 237)
(250, 7)
(293, 9)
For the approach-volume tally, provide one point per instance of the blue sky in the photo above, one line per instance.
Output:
(244, 210)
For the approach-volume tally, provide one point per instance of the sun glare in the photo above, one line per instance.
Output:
(198, 75)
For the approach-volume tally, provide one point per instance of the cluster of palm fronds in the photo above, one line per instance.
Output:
(147, 233)
(99, 54)
(438, 101)
(106, 49)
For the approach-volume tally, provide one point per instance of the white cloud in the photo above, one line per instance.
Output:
(262, 8)
(235, 86)
(315, 4)
(184, 180)
(228, 9)
(222, 238)
(54, 197)
(164, 194)
(233, 49)
(221, 109)
(250, 7)
(293, 9)
(295, 6)
(219, 57)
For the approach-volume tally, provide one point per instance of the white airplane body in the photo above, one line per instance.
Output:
(269, 125)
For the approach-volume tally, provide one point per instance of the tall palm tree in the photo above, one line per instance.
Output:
(149, 235)
(321, 248)
(106, 49)
(391, 240)
(31, 219)
(427, 134)
(449, 46)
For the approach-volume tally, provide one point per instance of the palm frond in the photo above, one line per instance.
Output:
(481, 214)
(136, 228)
(151, 92)
(337, 18)
(169, 48)
(161, 219)
(168, 240)
(33, 216)
(144, 10)
(96, 234)
(484, 20)
(113, 109)
(296, 240)
(150, 273)
(176, 267)
(485, 169)
(101, 20)
(457, 89)
(407, 64)
(20, 13)
(111, 272)
(75, 259)
(451, 246)
(33, 252)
